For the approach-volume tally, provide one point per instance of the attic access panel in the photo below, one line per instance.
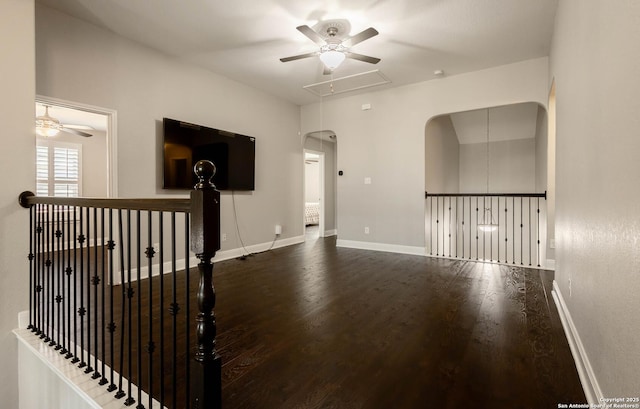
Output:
(348, 83)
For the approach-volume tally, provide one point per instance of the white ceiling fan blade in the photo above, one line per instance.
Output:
(298, 57)
(311, 34)
(365, 58)
(360, 37)
(75, 132)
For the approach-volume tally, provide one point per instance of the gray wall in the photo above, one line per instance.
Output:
(17, 67)
(595, 64)
(442, 156)
(81, 62)
(511, 168)
(387, 144)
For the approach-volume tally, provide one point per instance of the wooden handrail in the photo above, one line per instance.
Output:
(28, 199)
(427, 194)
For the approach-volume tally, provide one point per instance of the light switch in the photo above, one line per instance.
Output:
(367, 181)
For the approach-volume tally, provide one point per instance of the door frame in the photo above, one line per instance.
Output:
(111, 135)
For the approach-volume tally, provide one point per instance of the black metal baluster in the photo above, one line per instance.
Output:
(81, 310)
(173, 310)
(443, 222)
(431, 226)
(103, 325)
(150, 345)
(64, 287)
(521, 235)
(449, 226)
(437, 226)
(470, 227)
(187, 307)
(139, 308)
(484, 234)
(32, 273)
(123, 297)
(513, 229)
(477, 249)
(47, 277)
(161, 272)
(88, 369)
(70, 240)
(38, 267)
(58, 276)
(498, 239)
(463, 227)
(76, 359)
(130, 294)
(112, 324)
(538, 232)
(95, 282)
(491, 235)
(506, 231)
(456, 224)
(529, 239)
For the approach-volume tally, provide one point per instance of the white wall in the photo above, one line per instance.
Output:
(17, 167)
(442, 156)
(512, 167)
(312, 182)
(77, 61)
(387, 144)
(595, 65)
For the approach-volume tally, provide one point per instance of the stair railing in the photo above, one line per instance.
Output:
(127, 321)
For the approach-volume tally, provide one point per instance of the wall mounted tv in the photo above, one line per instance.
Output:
(185, 144)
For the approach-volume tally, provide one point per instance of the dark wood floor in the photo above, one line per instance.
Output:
(315, 326)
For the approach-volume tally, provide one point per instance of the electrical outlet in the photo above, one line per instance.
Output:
(366, 230)
(223, 237)
(278, 230)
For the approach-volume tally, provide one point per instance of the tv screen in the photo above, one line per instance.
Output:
(185, 144)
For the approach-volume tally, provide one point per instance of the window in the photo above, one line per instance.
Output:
(58, 169)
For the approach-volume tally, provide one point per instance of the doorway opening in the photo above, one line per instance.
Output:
(314, 163)
(89, 130)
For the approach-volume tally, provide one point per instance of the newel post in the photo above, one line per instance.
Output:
(206, 379)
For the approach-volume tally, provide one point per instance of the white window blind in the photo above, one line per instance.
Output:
(58, 169)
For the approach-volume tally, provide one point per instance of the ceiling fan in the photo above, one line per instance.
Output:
(47, 126)
(335, 44)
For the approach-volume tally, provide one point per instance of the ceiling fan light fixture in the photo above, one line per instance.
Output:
(332, 58)
(47, 126)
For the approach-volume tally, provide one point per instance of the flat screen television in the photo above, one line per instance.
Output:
(185, 144)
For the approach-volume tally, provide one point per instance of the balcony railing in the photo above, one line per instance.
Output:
(112, 289)
(495, 227)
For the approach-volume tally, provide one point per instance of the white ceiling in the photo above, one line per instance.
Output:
(244, 39)
(74, 118)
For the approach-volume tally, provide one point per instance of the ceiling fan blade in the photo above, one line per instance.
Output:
(365, 58)
(312, 35)
(298, 57)
(360, 37)
(75, 132)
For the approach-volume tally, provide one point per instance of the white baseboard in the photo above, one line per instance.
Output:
(391, 248)
(585, 371)
(220, 256)
(329, 233)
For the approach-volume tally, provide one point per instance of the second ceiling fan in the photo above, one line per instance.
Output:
(335, 44)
